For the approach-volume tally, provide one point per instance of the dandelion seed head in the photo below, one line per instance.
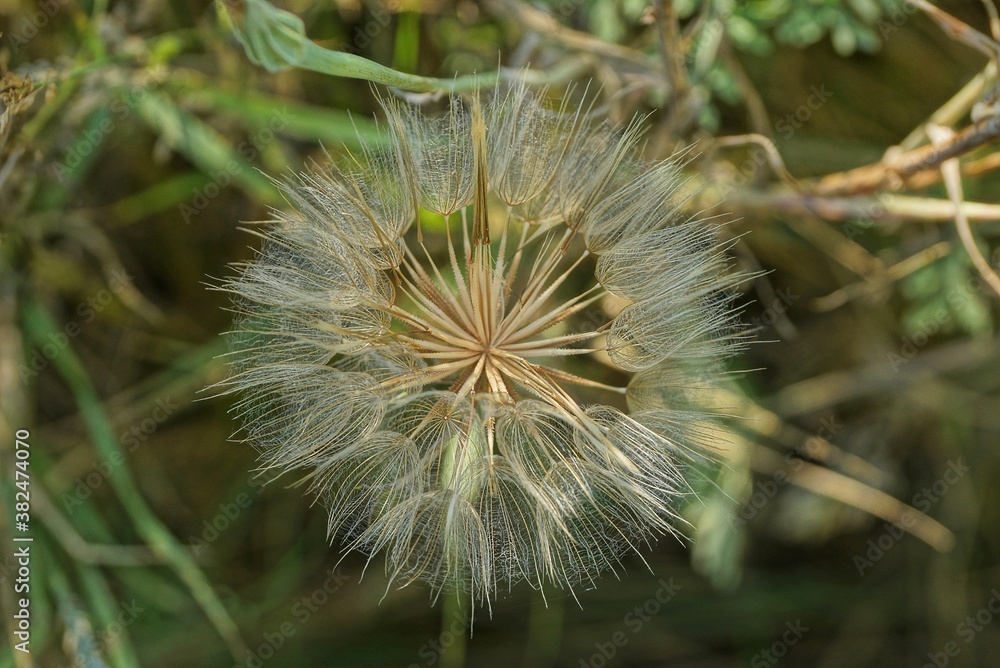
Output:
(443, 384)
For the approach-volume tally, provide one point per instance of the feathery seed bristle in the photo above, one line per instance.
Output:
(440, 385)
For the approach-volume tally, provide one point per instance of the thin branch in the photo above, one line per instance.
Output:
(856, 494)
(892, 170)
(879, 377)
(953, 182)
(961, 31)
(969, 242)
(818, 448)
(901, 269)
(773, 156)
(876, 209)
(542, 22)
(971, 168)
(765, 290)
(952, 111)
(991, 11)
(758, 116)
(671, 49)
(78, 548)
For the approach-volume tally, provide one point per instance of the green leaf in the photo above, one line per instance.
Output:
(273, 38)
(800, 29)
(845, 41)
(297, 120)
(276, 40)
(867, 10)
(202, 145)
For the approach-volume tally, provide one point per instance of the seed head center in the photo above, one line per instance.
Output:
(484, 330)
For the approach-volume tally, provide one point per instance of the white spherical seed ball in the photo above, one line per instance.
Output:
(443, 384)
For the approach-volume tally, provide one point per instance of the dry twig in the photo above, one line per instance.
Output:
(542, 22)
(901, 208)
(77, 547)
(856, 494)
(953, 182)
(893, 170)
(671, 49)
(894, 273)
(959, 30)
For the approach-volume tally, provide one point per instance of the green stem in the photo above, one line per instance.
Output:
(276, 40)
(117, 647)
(337, 63)
(42, 329)
(407, 47)
(454, 627)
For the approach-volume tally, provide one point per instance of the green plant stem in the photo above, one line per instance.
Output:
(276, 40)
(454, 627)
(318, 59)
(407, 47)
(40, 326)
(118, 647)
(203, 145)
(79, 640)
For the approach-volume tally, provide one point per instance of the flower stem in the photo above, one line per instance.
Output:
(276, 40)
(454, 626)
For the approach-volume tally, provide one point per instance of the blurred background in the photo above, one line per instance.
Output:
(856, 520)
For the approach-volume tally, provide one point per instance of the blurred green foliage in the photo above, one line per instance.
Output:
(137, 138)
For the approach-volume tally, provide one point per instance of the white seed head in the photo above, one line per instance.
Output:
(455, 390)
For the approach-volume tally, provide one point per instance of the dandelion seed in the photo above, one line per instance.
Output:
(444, 385)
